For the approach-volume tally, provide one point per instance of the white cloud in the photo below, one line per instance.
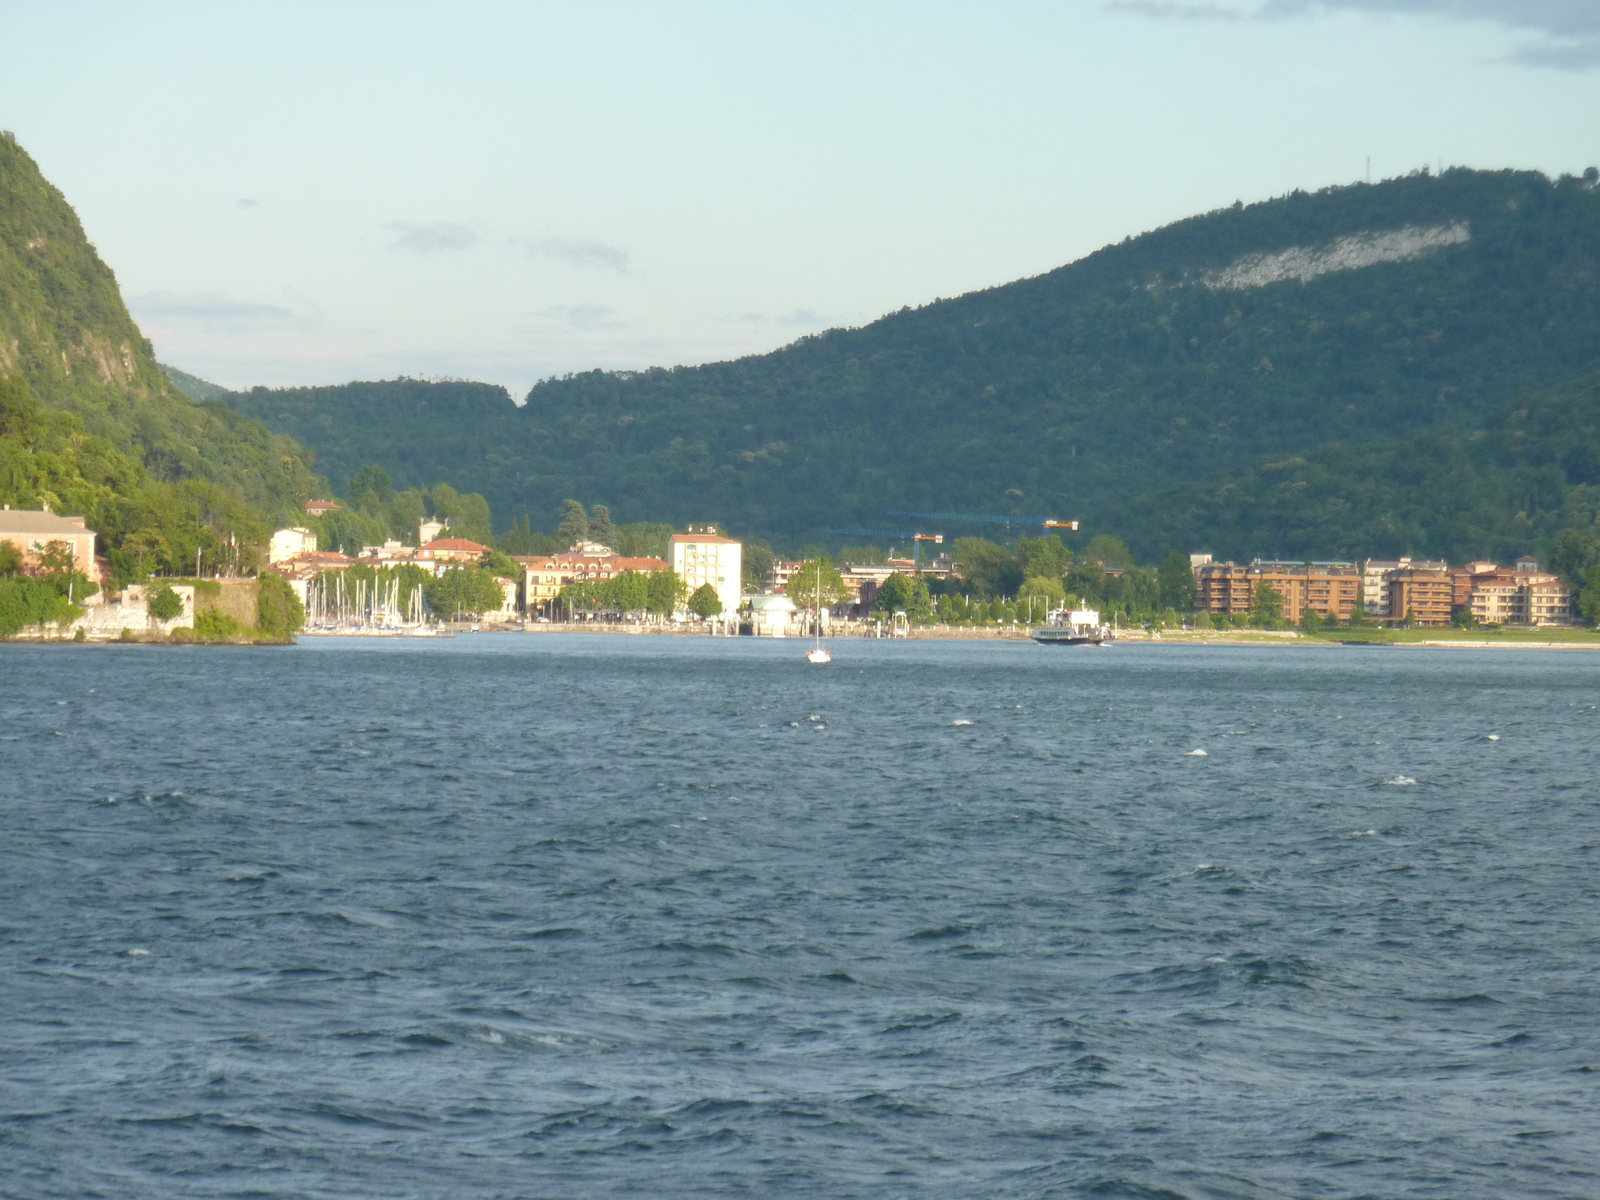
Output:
(1569, 29)
(580, 253)
(212, 312)
(804, 318)
(585, 316)
(433, 237)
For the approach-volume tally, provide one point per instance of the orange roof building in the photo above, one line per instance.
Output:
(451, 550)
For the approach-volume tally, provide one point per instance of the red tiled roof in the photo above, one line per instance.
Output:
(456, 544)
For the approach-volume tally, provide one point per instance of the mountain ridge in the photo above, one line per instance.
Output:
(1092, 390)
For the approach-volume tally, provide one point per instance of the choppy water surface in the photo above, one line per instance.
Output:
(552, 916)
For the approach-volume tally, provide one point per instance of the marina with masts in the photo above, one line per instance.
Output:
(379, 607)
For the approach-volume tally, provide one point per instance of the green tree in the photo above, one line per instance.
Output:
(1589, 595)
(463, 591)
(574, 526)
(988, 568)
(10, 559)
(600, 527)
(1202, 620)
(1266, 605)
(497, 563)
(279, 613)
(21, 415)
(630, 592)
(407, 511)
(667, 592)
(705, 603)
(1177, 582)
(756, 559)
(370, 480)
(1140, 591)
(58, 566)
(817, 584)
(25, 602)
(1043, 557)
(1040, 596)
(643, 539)
(1576, 558)
(166, 604)
(1108, 551)
(907, 594)
(1087, 580)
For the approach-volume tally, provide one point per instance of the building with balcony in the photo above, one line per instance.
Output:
(1327, 589)
(1420, 596)
(703, 557)
(1375, 574)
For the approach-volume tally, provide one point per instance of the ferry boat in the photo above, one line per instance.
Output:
(1073, 627)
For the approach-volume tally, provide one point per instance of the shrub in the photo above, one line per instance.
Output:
(166, 604)
(213, 624)
(279, 613)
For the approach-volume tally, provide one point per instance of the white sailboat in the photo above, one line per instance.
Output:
(818, 652)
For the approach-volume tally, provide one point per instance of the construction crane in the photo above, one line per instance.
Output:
(1047, 522)
(901, 534)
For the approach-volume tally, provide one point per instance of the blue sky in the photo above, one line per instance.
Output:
(312, 193)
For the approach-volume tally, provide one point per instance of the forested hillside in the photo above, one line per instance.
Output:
(90, 425)
(1165, 389)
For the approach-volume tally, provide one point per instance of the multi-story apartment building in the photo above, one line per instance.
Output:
(1222, 588)
(1499, 596)
(702, 557)
(1375, 574)
(1546, 601)
(1420, 596)
(1328, 589)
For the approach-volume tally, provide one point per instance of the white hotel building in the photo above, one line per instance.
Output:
(701, 558)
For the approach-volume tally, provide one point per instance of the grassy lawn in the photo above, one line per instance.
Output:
(1376, 636)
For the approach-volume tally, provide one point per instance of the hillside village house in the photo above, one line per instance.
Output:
(445, 551)
(290, 543)
(321, 508)
(701, 557)
(32, 530)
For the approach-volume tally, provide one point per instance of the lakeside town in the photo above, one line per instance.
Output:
(702, 585)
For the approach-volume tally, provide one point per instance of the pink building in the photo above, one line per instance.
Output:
(32, 530)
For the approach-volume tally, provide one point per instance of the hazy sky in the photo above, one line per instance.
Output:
(312, 193)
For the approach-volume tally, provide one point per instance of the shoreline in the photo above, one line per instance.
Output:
(1397, 639)
(1583, 640)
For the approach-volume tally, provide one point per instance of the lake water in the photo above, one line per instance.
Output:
(588, 916)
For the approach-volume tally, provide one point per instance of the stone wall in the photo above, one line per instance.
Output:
(105, 616)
